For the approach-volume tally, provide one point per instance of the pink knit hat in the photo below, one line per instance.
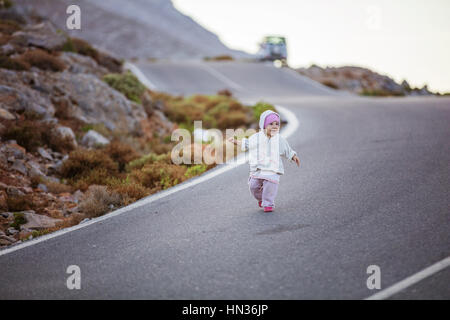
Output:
(271, 118)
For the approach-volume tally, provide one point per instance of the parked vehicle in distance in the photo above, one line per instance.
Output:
(273, 48)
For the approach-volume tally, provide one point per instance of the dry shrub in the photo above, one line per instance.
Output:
(32, 134)
(19, 203)
(42, 60)
(130, 192)
(223, 57)
(330, 83)
(4, 39)
(57, 187)
(9, 26)
(159, 176)
(232, 119)
(225, 92)
(148, 159)
(121, 153)
(198, 98)
(98, 176)
(13, 63)
(28, 134)
(84, 163)
(98, 200)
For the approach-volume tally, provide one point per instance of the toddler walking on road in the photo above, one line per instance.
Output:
(265, 148)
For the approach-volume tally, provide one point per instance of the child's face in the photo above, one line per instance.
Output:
(272, 128)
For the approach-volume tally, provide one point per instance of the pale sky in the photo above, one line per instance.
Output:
(404, 39)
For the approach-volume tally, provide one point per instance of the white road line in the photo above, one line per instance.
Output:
(231, 164)
(415, 278)
(221, 77)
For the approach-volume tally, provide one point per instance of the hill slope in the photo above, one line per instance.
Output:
(138, 28)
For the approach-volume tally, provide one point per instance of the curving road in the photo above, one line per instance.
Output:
(372, 189)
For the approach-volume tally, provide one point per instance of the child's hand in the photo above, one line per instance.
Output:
(233, 140)
(297, 160)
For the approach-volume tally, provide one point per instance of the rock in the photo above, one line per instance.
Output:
(19, 166)
(5, 240)
(19, 97)
(97, 101)
(34, 172)
(7, 215)
(43, 187)
(11, 231)
(65, 197)
(7, 49)
(82, 64)
(57, 155)
(38, 222)
(44, 154)
(6, 115)
(26, 190)
(13, 151)
(66, 132)
(2, 233)
(77, 196)
(35, 169)
(93, 138)
(14, 192)
(42, 35)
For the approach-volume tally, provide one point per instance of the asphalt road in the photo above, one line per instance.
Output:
(372, 189)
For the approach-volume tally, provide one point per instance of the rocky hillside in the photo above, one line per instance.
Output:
(361, 81)
(136, 29)
(57, 103)
(80, 136)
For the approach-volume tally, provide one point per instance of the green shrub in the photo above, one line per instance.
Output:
(195, 170)
(148, 159)
(259, 108)
(128, 84)
(19, 219)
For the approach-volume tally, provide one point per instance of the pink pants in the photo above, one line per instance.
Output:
(263, 190)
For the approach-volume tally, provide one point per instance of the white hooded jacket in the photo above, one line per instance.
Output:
(263, 155)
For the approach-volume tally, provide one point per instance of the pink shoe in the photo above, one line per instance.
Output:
(259, 204)
(268, 209)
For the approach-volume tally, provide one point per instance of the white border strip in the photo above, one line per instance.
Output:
(138, 73)
(396, 288)
(288, 130)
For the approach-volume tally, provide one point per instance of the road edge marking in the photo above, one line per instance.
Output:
(411, 280)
